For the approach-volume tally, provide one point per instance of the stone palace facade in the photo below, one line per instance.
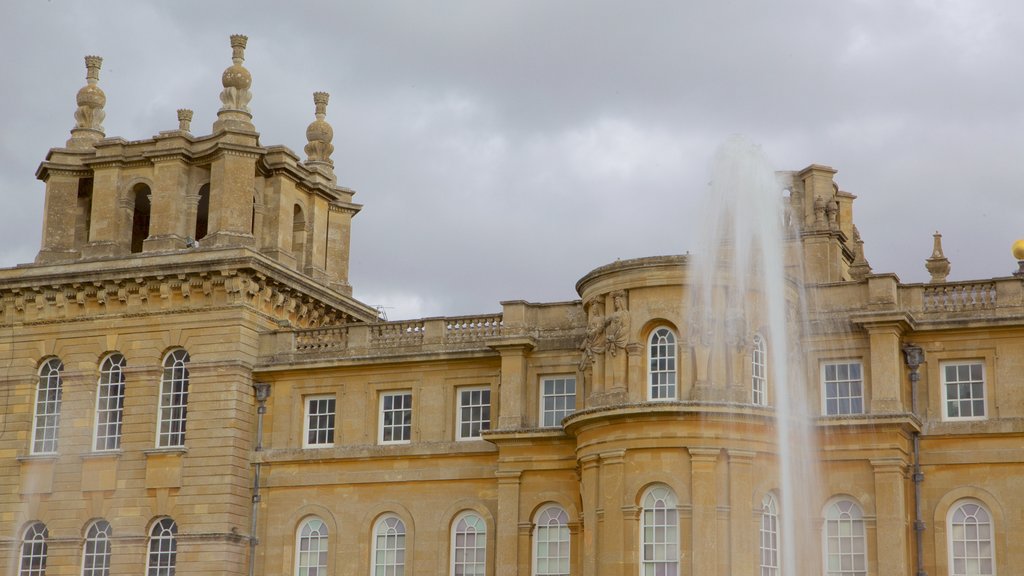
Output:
(189, 387)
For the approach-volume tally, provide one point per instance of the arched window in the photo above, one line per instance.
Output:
(769, 536)
(970, 534)
(551, 542)
(96, 553)
(389, 547)
(140, 216)
(659, 534)
(33, 550)
(46, 423)
(662, 365)
(173, 400)
(758, 371)
(110, 403)
(299, 237)
(469, 546)
(844, 540)
(203, 212)
(163, 548)
(311, 548)
(83, 220)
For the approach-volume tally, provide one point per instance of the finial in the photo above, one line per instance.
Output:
(91, 100)
(859, 268)
(184, 119)
(938, 264)
(1018, 253)
(235, 96)
(320, 134)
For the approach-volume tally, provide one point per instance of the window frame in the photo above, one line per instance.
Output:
(849, 397)
(671, 507)
(555, 396)
(34, 550)
(854, 533)
(485, 409)
(163, 530)
(49, 396)
(758, 371)
(478, 534)
(97, 547)
(111, 369)
(672, 358)
(382, 424)
(307, 416)
(398, 567)
(553, 516)
(319, 535)
(770, 555)
(944, 386)
(176, 376)
(951, 544)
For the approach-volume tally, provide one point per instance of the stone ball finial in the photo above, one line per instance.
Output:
(184, 119)
(236, 79)
(320, 133)
(1018, 253)
(90, 100)
(937, 265)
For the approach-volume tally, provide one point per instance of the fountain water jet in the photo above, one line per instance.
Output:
(745, 279)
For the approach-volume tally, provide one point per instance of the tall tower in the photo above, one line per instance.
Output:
(128, 345)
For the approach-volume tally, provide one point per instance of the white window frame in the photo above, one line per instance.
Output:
(971, 381)
(34, 549)
(318, 536)
(172, 411)
(838, 512)
(479, 412)
(163, 546)
(382, 413)
(849, 381)
(109, 416)
(308, 416)
(551, 526)
(984, 534)
(47, 407)
(557, 413)
(770, 553)
(96, 549)
(758, 371)
(391, 531)
(660, 497)
(468, 546)
(669, 352)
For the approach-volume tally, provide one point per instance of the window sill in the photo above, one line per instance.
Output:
(100, 454)
(163, 451)
(53, 456)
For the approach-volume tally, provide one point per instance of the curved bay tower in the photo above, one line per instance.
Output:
(189, 387)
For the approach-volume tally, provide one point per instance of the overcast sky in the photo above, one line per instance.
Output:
(502, 150)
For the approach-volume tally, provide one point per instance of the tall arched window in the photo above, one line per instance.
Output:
(758, 371)
(389, 547)
(110, 403)
(173, 400)
(203, 212)
(299, 237)
(769, 536)
(46, 422)
(970, 534)
(163, 548)
(551, 542)
(311, 548)
(844, 540)
(33, 550)
(140, 216)
(96, 553)
(469, 546)
(659, 533)
(662, 365)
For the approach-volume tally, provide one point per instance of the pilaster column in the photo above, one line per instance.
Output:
(339, 233)
(611, 542)
(167, 221)
(232, 184)
(589, 488)
(636, 386)
(513, 383)
(108, 214)
(884, 332)
(705, 510)
(892, 519)
(506, 557)
(741, 489)
(59, 213)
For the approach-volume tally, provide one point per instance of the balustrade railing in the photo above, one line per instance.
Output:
(472, 328)
(959, 296)
(455, 332)
(397, 334)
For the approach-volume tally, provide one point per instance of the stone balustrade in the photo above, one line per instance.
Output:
(959, 296)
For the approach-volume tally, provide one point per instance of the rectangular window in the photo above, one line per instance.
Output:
(963, 390)
(395, 417)
(474, 412)
(843, 387)
(557, 399)
(319, 432)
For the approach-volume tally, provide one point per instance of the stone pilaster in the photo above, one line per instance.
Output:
(704, 495)
(506, 557)
(610, 551)
(743, 548)
(892, 519)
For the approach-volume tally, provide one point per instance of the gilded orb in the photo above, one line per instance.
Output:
(1018, 249)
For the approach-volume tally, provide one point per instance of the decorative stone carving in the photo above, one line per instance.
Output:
(319, 133)
(184, 119)
(89, 115)
(832, 211)
(859, 268)
(618, 324)
(594, 341)
(819, 213)
(937, 265)
(236, 79)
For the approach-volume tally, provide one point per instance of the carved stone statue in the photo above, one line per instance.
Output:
(618, 324)
(594, 342)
